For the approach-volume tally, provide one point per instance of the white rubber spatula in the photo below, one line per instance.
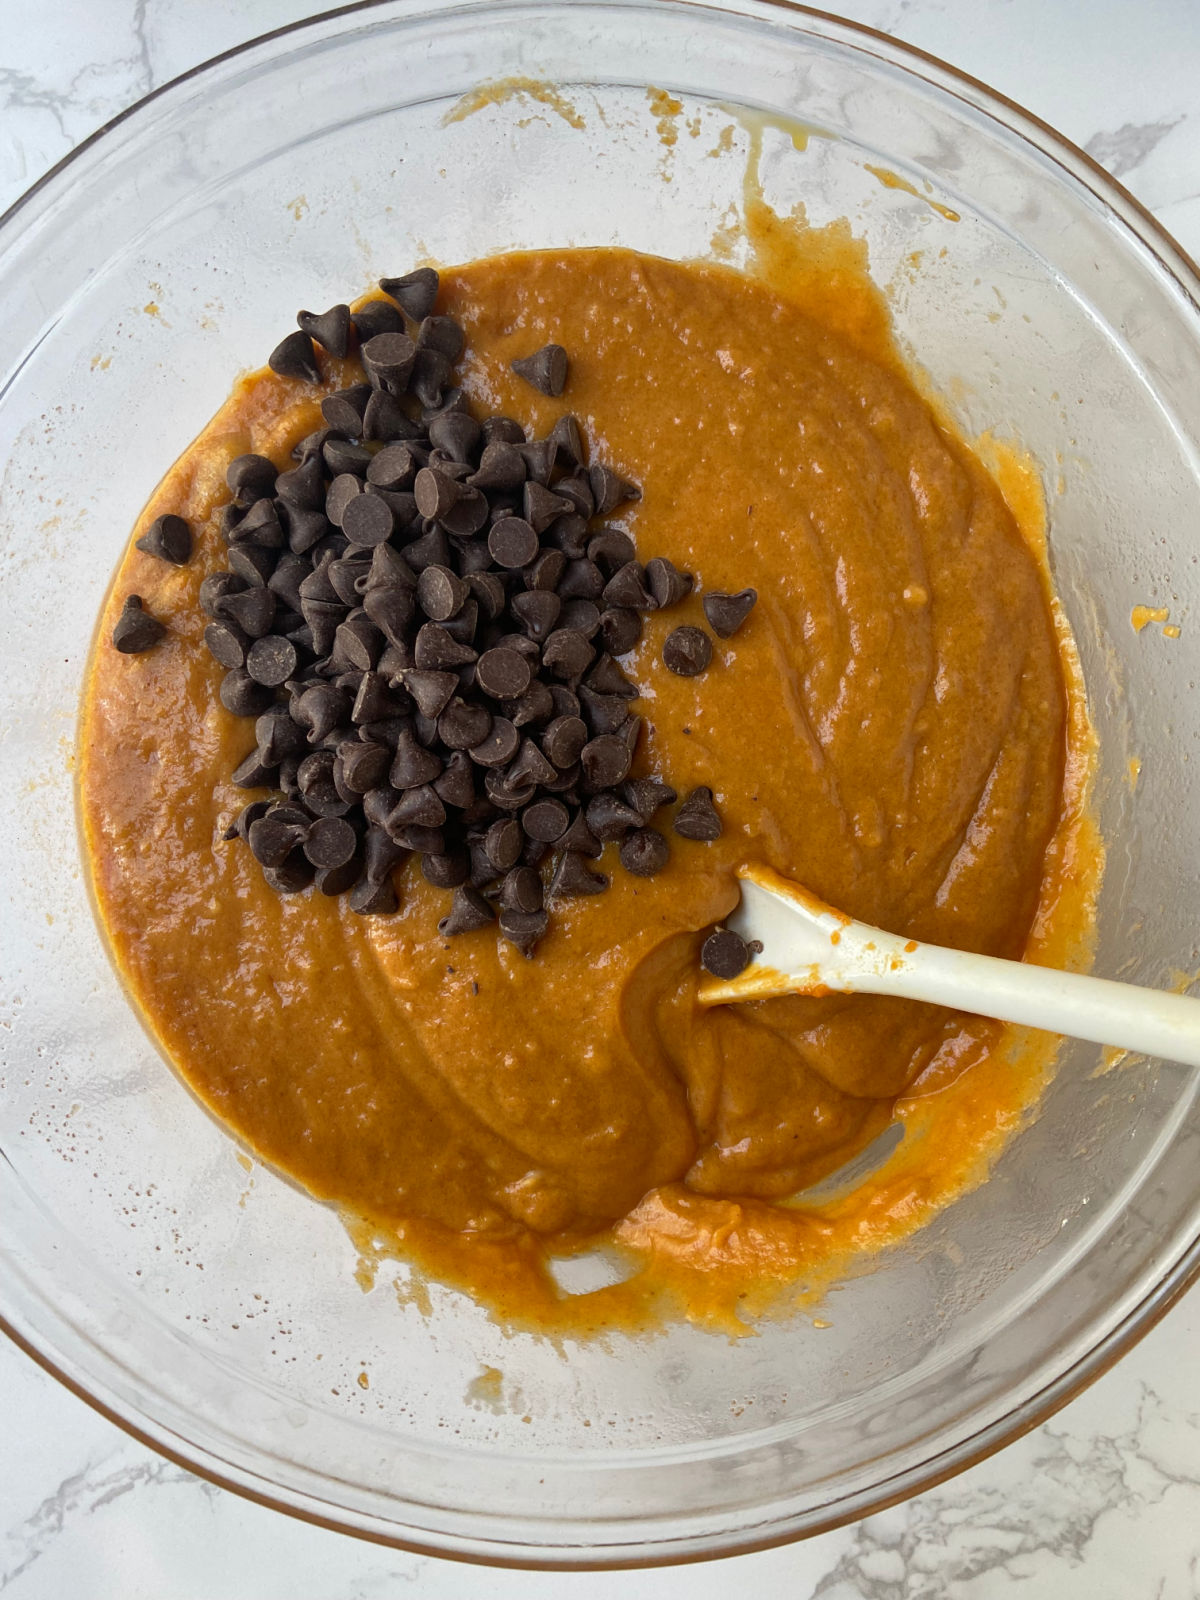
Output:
(809, 948)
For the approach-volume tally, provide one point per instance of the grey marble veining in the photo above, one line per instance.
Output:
(1101, 1503)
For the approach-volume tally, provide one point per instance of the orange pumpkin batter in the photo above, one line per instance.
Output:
(890, 728)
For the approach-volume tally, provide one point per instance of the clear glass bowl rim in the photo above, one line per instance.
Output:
(1169, 255)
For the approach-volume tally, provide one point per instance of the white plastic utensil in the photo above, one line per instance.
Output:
(809, 948)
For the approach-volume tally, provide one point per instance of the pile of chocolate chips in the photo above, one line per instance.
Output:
(423, 615)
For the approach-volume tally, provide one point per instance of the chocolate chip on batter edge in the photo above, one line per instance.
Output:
(136, 630)
(545, 369)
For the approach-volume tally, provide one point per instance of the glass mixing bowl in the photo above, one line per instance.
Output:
(205, 1303)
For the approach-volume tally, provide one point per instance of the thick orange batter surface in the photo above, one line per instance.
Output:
(890, 728)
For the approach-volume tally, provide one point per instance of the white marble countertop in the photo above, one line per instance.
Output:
(1103, 1501)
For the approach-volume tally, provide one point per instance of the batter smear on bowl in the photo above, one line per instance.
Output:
(865, 687)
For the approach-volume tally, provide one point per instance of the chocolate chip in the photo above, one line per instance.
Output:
(169, 538)
(381, 855)
(620, 629)
(320, 708)
(432, 691)
(374, 317)
(252, 563)
(530, 766)
(564, 702)
(251, 772)
(305, 529)
(512, 542)
(386, 419)
(388, 360)
(271, 660)
(606, 677)
(394, 467)
(343, 455)
(292, 877)
(374, 898)
(462, 725)
(425, 841)
(242, 696)
(546, 570)
(573, 878)
(435, 491)
(430, 376)
(336, 880)
(343, 409)
(727, 612)
(331, 842)
(416, 292)
(391, 609)
(724, 953)
(567, 654)
(411, 765)
(420, 808)
(445, 869)
(576, 489)
(521, 890)
(540, 457)
(294, 357)
(136, 630)
(341, 491)
(610, 490)
(570, 535)
(541, 506)
(537, 611)
(545, 820)
(443, 334)
(501, 469)
(697, 817)
(647, 795)
(503, 674)
(389, 569)
(609, 817)
(357, 644)
(272, 839)
(441, 593)
(227, 643)
(240, 827)
(605, 713)
(563, 740)
(605, 761)
(666, 583)
(331, 329)
(580, 838)
(364, 764)
(438, 651)
(502, 430)
(645, 852)
(374, 700)
(251, 477)
(627, 587)
(456, 785)
(499, 746)
(687, 651)
(525, 929)
(468, 911)
(545, 369)
(368, 520)
(502, 844)
(260, 525)
(304, 486)
(581, 580)
(610, 549)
